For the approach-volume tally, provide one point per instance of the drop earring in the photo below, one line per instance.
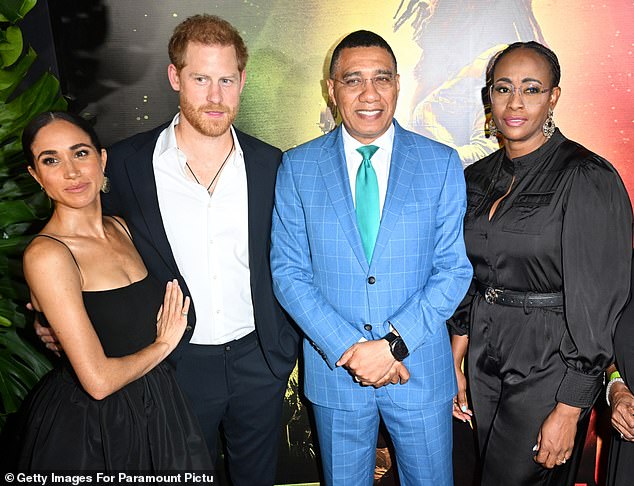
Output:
(549, 125)
(493, 130)
(105, 185)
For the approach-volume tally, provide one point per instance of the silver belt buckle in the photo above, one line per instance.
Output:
(491, 295)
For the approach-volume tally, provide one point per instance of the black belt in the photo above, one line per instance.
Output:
(513, 298)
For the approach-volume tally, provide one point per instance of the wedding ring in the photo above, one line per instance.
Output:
(184, 314)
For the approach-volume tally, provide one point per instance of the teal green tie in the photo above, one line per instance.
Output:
(367, 200)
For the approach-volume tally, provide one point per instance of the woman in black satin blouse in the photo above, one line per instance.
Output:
(548, 231)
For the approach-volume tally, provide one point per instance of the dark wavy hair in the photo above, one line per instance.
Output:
(43, 119)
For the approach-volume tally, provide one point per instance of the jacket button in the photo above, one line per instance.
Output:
(188, 328)
(371, 280)
(368, 327)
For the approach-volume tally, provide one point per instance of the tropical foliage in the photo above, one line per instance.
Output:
(22, 204)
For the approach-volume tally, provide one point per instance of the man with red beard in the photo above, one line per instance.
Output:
(197, 195)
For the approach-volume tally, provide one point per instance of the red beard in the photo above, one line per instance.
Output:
(205, 125)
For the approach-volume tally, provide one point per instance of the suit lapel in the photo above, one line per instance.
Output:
(140, 171)
(332, 164)
(402, 169)
(257, 175)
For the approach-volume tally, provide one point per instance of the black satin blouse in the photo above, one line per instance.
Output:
(566, 226)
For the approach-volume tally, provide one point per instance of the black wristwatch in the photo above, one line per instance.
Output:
(397, 346)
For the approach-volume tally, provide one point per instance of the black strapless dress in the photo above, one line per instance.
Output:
(145, 426)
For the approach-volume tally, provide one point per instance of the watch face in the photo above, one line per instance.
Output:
(399, 349)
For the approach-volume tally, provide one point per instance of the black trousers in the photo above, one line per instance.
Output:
(231, 386)
(515, 370)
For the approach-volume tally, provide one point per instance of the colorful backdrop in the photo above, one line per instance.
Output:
(112, 59)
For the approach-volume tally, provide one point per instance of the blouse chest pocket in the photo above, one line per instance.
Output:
(528, 213)
(474, 199)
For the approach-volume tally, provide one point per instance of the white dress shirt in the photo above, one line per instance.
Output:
(209, 239)
(380, 160)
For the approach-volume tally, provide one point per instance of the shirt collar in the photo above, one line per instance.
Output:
(166, 142)
(532, 159)
(167, 145)
(384, 142)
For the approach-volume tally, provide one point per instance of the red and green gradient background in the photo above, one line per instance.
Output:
(290, 42)
(595, 44)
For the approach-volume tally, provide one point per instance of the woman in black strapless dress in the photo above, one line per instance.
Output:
(112, 404)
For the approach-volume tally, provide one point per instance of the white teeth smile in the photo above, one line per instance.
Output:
(369, 112)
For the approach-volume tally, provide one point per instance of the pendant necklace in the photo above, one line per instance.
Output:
(233, 144)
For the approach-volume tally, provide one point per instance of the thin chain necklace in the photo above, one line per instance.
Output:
(233, 144)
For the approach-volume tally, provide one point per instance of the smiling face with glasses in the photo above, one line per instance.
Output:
(365, 87)
(355, 83)
(531, 92)
(521, 96)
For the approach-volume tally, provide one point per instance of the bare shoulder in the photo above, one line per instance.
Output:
(47, 256)
(118, 223)
(46, 248)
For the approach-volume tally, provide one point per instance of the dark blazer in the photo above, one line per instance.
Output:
(133, 196)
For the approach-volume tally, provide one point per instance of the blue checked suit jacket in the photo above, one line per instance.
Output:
(421, 272)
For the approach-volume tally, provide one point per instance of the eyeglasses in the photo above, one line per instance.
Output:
(381, 82)
(530, 93)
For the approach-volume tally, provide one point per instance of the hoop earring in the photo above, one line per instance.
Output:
(105, 185)
(549, 125)
(493, 129)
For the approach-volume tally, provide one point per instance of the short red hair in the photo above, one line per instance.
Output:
(207, 30)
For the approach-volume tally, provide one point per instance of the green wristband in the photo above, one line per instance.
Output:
(614, 374)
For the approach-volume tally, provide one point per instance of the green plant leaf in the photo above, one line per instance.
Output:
(15, 10)
(13, 160)
(14, 245)
(43, 95)
(7, 312)
(14, 212)
(22, 204)
(10, 46)
(11, 77)
(21, 366)
(17, 187)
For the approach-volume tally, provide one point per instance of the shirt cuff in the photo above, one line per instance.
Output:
(457, 328)
(578, 389)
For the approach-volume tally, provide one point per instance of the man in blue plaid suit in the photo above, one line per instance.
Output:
(373, 302)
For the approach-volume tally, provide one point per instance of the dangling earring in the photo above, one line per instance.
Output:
(549, 125)
(493, 130)
(105, 185)
(48, 198)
